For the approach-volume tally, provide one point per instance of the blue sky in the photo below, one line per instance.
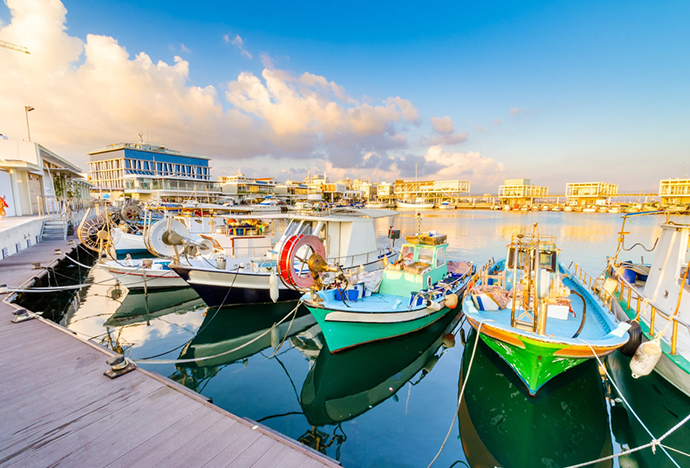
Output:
(553, 91)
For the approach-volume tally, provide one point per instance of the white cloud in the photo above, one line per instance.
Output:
(483, 172)
(514, 111)
(442, 125)
(184, 48)
(91, 92)
(238, 42)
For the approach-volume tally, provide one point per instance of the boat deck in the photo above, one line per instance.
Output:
(58, 409)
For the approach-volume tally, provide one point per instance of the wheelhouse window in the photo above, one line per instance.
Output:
(440, 257)
(426, 255)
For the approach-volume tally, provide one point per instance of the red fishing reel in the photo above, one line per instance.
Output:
(294, 260)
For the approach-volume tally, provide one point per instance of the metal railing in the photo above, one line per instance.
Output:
(632, 300)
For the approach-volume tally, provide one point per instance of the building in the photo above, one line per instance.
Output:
(674, 192)
(241, 187)
(146, 172)
(432, 190)
(35, 180)
(520, 192)
(590, 193)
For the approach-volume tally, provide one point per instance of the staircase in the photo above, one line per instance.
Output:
(54, 229)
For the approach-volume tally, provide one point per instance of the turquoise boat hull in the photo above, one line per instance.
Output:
(341, 335)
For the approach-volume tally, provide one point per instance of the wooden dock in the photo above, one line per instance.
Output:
(59, 409)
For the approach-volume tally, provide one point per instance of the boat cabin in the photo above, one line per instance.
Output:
(347, 234)
(421, 265)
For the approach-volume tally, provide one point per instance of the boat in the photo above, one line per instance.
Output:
(340, 387)
(536, 315)
(545, 208)
(501, 425)
(614, 209)
(376, 205)
(137, 306)
(651, 295)
(418, 204)
(556, 208)
(416, 290)
(446, 205)
(658, 403)
(589, 209)
(143, 274)
(567, 208)
(246, 277)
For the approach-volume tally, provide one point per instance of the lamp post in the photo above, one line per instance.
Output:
(28, 109)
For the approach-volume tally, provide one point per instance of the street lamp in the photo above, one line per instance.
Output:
(28, 109)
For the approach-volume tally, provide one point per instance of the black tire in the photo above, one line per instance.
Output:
(635, 332)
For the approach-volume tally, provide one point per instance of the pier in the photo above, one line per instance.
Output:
(59, 409)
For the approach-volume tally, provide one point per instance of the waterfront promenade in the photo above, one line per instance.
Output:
(59, 409)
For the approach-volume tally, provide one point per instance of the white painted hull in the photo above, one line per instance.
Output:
(414, 206)
(130, 243)
(136, 277)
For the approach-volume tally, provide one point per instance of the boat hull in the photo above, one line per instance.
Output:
(135, 278)
(358, 328)
(225, 288)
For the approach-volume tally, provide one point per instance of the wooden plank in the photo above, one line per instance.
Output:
(130, 434)
(233, 449)
(254, 452)
(272, 456)
(158, 447)
(85, 410)
(292, 459)
(64, 443)
(220, 443)
(313, 463)
(197, 445)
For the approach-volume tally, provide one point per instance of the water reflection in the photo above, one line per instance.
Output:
(137, 307)
(342, 386)
(660, 406)
(234, 334)
(502, 426)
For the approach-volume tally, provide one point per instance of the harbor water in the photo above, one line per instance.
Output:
(385, 404)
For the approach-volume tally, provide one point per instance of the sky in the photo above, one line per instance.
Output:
(556, 92)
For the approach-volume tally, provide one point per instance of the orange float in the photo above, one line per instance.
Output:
(293, 260)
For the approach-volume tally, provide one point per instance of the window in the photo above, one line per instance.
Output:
(440, 257)
(426, 255)
(407, 253)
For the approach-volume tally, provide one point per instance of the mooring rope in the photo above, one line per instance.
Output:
(655, 442)
(462, 392)
(204, 358)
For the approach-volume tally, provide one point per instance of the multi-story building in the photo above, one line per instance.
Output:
(436, 190)
(520, 192)
(590, 193)
(147, 172)
(674, 192)
(241, 187)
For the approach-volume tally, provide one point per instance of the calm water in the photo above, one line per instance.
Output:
(389, 403)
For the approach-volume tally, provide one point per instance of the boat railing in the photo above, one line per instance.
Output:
(633, 301)
(362, 258)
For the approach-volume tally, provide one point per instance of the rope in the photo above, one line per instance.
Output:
(462, 392)
(184, 361)
(654, 442)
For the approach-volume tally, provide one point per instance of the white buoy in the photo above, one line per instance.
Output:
(435, 306)
(645, 358)
(273, 287)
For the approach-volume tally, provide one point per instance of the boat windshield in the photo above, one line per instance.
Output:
(426, 255)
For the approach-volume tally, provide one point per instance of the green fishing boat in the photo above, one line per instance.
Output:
(538, 317)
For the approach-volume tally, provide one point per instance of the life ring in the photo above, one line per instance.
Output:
(293, 265)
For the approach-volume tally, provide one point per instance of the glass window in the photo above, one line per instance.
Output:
(407, 253)
(426, 256)
(440, 257)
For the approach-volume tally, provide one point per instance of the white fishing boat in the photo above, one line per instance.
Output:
(418, 204)
(657, 296)
(446, 205)
(347, 233)
(376, 205)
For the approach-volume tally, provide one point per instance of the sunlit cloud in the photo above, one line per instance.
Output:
(514, 111)
(91, 92)
(442, 125)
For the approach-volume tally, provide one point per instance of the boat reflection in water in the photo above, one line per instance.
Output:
(342, 386)
(234, 334)
(660, 405)
(137, 306)
(502, 426)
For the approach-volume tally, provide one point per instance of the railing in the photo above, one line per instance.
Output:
(630, 296)
(360, 259)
